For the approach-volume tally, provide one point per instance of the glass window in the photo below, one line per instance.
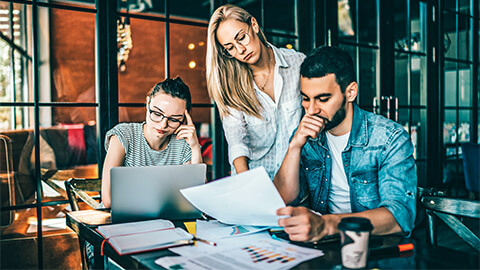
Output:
(404, 118)
(400, 22)
(450, 127)
(464, 37)
(418, 26)
(6, 84)
(464, 128)
(22, 240)
(368, 76)
(80, 3)
(421, 173)
(72, 41)
(346, 20)
(465, 87)
(145, 65)
(418, 133)
(65, 255)
(190, 9)
(464, 6)
(367, 24)
(418, 79)
(402, 79)
(144, 6)
(450, 5)
(280, 16)
(253, 7)
(14, 60)
(450, 35)
(450, 83)
(284, 42)
(132, 114)
(187, 59)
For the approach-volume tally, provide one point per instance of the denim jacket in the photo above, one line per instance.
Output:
(378, 163)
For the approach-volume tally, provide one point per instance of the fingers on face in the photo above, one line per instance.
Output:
(186, 133)
(189, 118)
(313, 122)
(185, 128)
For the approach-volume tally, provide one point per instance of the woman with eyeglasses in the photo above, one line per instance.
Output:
(167, 137)
(256, 88)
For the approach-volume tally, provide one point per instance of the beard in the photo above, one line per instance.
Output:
(337, 118)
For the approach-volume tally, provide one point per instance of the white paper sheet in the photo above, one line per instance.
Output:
(248, 198)
(263, 254)
(52, 224)
(222, 244)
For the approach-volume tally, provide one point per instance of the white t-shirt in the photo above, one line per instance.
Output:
(339, 195)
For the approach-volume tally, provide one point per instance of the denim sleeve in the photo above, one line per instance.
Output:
(398, 180)
(303, 193)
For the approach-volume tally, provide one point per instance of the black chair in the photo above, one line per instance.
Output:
(448, 210)
(78, 187)
(7, 179)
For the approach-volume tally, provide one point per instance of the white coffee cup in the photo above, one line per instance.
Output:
(354, 233)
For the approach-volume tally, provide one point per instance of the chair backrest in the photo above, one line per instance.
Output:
(6, 179)
(471, 166)
(77, 187)
(447, 209)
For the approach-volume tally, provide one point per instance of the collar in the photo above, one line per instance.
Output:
(359, 131)
(279, 58)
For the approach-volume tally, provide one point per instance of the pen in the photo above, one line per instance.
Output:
(205, 241)
(392, 249)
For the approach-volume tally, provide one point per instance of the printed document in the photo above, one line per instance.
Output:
(263, 254)
(248, 198)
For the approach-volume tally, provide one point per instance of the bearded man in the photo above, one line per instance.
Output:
(343, 161)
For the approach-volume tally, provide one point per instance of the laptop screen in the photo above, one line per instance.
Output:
(142, 193)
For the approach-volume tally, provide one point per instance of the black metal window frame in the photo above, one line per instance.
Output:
(473, 64)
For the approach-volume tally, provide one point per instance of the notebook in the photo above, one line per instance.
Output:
(133, 237)
(143, 193)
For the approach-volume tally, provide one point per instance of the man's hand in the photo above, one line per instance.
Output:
(310, 126)
(306, 226)
(188, 132)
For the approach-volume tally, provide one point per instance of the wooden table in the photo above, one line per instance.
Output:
(423, 256)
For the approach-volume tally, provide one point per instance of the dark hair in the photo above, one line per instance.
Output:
(329, 60)
(175, 88)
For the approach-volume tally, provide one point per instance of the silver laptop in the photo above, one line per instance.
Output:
(142, 193)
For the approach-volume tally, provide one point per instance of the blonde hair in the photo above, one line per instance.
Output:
(230, 82)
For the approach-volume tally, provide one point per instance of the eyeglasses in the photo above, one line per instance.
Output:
(158, 117)
(243, 39)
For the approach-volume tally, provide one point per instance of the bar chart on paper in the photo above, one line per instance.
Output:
(264, 255)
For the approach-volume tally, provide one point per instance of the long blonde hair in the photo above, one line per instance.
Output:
(229, 81)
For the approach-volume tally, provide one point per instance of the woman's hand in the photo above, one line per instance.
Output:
(189, 133)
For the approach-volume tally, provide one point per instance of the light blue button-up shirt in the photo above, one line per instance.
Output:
(379, 165)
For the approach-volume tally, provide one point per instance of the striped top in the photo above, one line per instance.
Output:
(139, 153)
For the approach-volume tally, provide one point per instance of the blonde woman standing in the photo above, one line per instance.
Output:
(256, 88)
